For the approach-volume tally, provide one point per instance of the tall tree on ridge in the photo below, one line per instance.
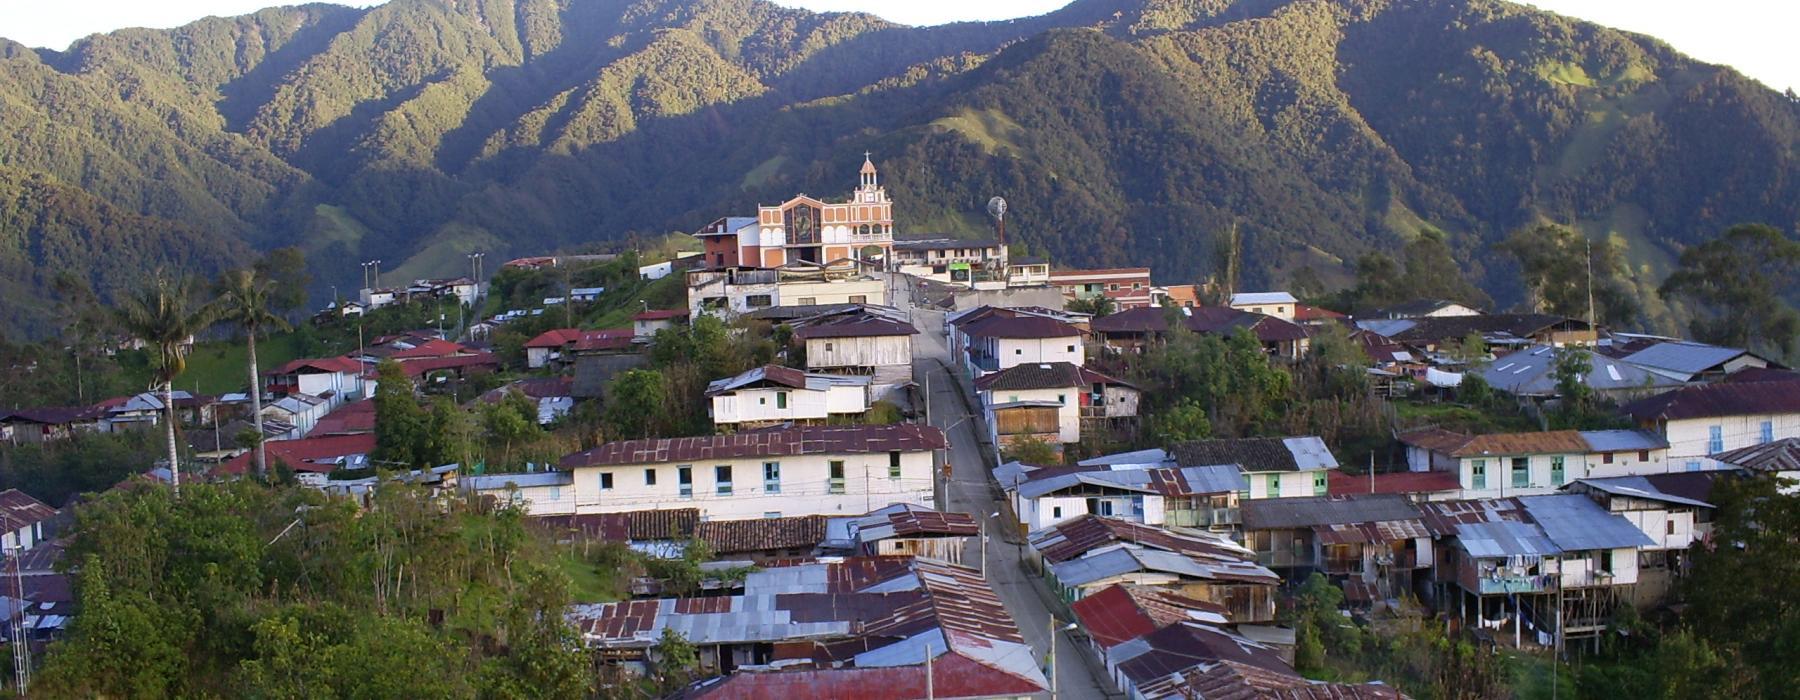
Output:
(166, 314)
(245, 299)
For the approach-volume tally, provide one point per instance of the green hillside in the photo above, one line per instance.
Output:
(1122, 131)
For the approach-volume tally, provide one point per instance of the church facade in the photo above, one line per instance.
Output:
(807, 230)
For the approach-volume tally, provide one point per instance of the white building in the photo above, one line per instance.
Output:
(866, 341)
(302, 411)
(1278, 304)
(1538, 463)
(773, 394)
(728, 292)
(806, 470)
(1194, 497)
(1274, 467)
(992, 339)
(1074, 392)
(22, 520)
(1704, 420)
(340, 378)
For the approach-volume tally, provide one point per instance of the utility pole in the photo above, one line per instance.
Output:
(930, 691)
(1590, 281)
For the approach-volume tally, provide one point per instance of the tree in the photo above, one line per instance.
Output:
(1756, 624)
(1740, 284)
(166, 316)
(510, 421)
(1183, 421)
(1319, 630)
(400, 423)
(245, 299)
(677, 661)
(637, 404)
(1033, 450)
(1572, 366)
(451, 434)
(1556, 263)
(285, 269)
(1098, 305)
(1430, 272)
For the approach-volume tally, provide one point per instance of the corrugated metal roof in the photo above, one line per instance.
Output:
(1779, 456)
(1623, 440)
(1683, 357)
(1258, 454)
(1242, 298)
(1488, 540)
(1153, 457)
(1714, 400)
(1531, 372)
(1290, 513)
(1576, 523)
(789, 441)
(1640, 487)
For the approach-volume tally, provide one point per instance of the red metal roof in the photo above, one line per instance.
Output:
(305, 454)
(348, 419)
(754, 535)
(1020, 327)
(923, 521)
(952, 676)
(1121, 613)
(1398, 482)
(20, 510)
(418, 366)
(431, 348)
(554, 338)
(1710, 400)
(767, 443)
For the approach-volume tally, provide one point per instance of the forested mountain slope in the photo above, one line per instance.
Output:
(1122, 131)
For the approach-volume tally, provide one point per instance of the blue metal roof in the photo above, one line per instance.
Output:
(1576, 523)
(1623, 440)
(1640, 487)
(1684, 357)
(1531, 372)
(1505, 538)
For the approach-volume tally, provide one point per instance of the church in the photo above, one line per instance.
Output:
(807, 230)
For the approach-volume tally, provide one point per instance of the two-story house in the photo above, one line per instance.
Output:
(1537, 463)
(870, 341)
(1273, 467)
(1012, 397)
(1193, 497)
(338, 377)
(1127, 287)
(1003, 340)
(773, 394)
(1373, 543)
(803, 470)
(1281, 305)
(1670, 509)
(1703, 420)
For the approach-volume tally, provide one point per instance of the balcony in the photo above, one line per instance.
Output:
(1496, 585)
(1344, 565)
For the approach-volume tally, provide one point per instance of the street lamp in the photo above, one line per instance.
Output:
(1054, 630)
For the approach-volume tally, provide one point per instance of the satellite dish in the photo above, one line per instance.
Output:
(997, 208)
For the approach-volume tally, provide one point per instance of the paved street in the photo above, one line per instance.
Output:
(968, 492)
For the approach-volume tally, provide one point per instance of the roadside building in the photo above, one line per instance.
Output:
(1088, 554)
(874, 342)
(1281, 305)
(1376, 545)
(1204, 497)
(1127, 287)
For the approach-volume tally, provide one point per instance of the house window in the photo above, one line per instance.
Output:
(649, 477)
(771, 477)
(836, 483)
(1018, 351)
(1669, 527)
(771, 514)
(758, 301)
(1062, 399)
(1606, 562)
(1071, 348)
(1768, 432)
(1281, 309)
(1478, 474)
(1606, 458)
(1643, 456)
(809, 301)
(1274, 485)
(781, 399)
(684, 480)
(1715, 439)
(762, 400)
(722, 478)
(1137, 285)
(1693, 465)
(859, 299)
(1056, 512)
(605, 481)
(894, 464)
(1556, 470)
(1113, 287)
(1106, 507)
(1521, 472)
(1319, 483)
(828, 347)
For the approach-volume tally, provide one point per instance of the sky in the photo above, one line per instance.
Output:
(1753, 36)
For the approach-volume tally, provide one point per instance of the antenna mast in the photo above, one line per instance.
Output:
(1590, 281)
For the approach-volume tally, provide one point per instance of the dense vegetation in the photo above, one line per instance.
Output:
(1122, 131)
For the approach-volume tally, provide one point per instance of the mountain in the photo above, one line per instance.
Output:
(1121, 131)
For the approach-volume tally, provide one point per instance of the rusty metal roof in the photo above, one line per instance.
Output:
(21, 510)
(735, 536)
(1546, 442)
(769, 443)
(1123, 612)
(1442, 517)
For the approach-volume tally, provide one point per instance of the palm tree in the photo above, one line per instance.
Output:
(244, 299)
(166, 315)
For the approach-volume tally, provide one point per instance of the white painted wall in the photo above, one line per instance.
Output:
(1499, 482)
(1628, 464)
(803, 486)
(1012, 352)
(1688, 439)
(1047, 511)
(765, 404)
(1291, 484)
(869, 291)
